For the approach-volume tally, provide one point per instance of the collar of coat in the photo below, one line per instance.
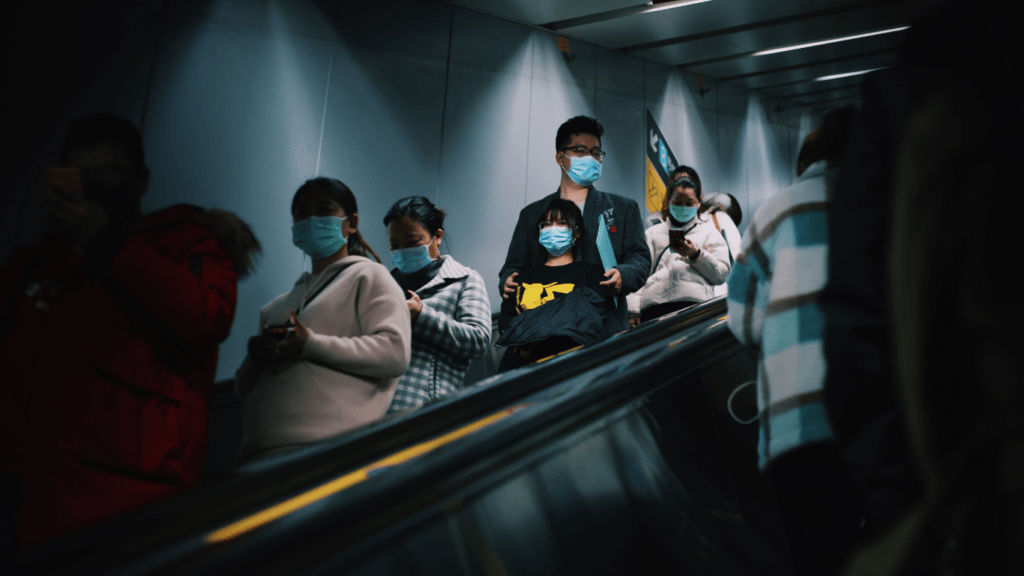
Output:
(450, 270)
(592, 194)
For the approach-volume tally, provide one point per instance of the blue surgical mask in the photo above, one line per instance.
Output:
(683, 214)
(319, 236)
(410, 260)
(584, 171)
(557, 240)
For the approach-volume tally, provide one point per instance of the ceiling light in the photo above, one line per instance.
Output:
(626, 12)
(655, 7)
(847, 75)
(830, 41)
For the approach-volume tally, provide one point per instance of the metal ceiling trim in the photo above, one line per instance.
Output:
(833, 89)
(761, 24)
(758, 52)
(830, 103)
(773, 86)
(808, 64)
(612, 15)
(715, 60)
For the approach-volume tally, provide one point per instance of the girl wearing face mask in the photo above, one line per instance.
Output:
(447, 302)
(331, 350)
(690, 257)
(560, 305)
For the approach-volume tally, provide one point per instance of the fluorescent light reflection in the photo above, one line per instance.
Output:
(847, 75)
(669, 5)
(829, 41)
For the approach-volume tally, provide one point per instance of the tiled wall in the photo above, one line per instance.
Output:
(246, 99)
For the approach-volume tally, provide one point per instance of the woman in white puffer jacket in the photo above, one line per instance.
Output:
(689, 258)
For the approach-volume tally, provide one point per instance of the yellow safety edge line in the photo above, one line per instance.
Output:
(348, 480)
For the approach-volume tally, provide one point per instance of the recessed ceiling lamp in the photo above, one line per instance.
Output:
(847, 75)
(666, 4)
(646, 8)
(829, 41)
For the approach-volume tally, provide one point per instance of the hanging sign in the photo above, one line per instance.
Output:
(660, 163)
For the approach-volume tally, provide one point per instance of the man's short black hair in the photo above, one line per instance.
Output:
(574, 126)
(104, 128)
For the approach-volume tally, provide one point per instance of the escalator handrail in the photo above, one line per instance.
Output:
(368, 509)
(275, 479)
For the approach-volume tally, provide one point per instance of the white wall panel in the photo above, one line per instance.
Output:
(732, 156)
(622, 171)
(382, 131)
(250, 98)
(234, 122)
(484, 158)
(551, 104)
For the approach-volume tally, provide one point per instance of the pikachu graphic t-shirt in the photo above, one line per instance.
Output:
(545, 283)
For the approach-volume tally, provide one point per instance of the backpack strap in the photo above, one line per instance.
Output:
(656, 262)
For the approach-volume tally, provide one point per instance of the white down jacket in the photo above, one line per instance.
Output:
(675, 278)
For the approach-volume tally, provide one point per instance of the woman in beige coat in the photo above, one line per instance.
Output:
(331, 350)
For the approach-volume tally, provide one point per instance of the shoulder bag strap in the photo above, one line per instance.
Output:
(321, 288)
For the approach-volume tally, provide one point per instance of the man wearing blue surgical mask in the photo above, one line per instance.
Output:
(579, 156)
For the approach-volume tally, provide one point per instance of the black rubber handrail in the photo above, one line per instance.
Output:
(276, 479)
(370, 516)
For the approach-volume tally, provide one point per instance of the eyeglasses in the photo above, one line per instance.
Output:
(106, 178)
(545, 224)
(581, 151)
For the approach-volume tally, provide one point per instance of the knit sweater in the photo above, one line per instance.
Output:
(358, 347)
(773, 308)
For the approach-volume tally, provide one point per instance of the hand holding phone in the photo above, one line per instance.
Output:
(280, 332)
(69, 178)
(681, 244)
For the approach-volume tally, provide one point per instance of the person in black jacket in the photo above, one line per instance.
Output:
(560, 304)
(578, 154)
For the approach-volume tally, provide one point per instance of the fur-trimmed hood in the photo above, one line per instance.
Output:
(234, 235)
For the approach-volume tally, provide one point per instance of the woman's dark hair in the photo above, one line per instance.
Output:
(682, 170)
(566, 210)
(577, 125)
(827, 141)
(341, 194)
(687, 182)
(102, 129)
(419, 210)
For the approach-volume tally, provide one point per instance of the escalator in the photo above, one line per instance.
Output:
(627, 457)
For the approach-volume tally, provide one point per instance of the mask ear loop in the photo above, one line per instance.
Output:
(302, 302)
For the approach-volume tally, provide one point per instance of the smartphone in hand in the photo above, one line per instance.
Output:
(70, 178)
(676, 237)
(280, 332)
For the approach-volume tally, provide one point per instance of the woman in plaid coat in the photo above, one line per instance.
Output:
(448, 305)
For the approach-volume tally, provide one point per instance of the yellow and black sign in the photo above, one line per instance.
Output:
(660, 163)
(530, 296)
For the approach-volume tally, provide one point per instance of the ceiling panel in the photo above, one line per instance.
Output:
(809, 73)
(627, 31)
(754, 64)
(812, 90)
(848, 93)
(543, 11)
(725, 13)
(692, 51)
(711, 38)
